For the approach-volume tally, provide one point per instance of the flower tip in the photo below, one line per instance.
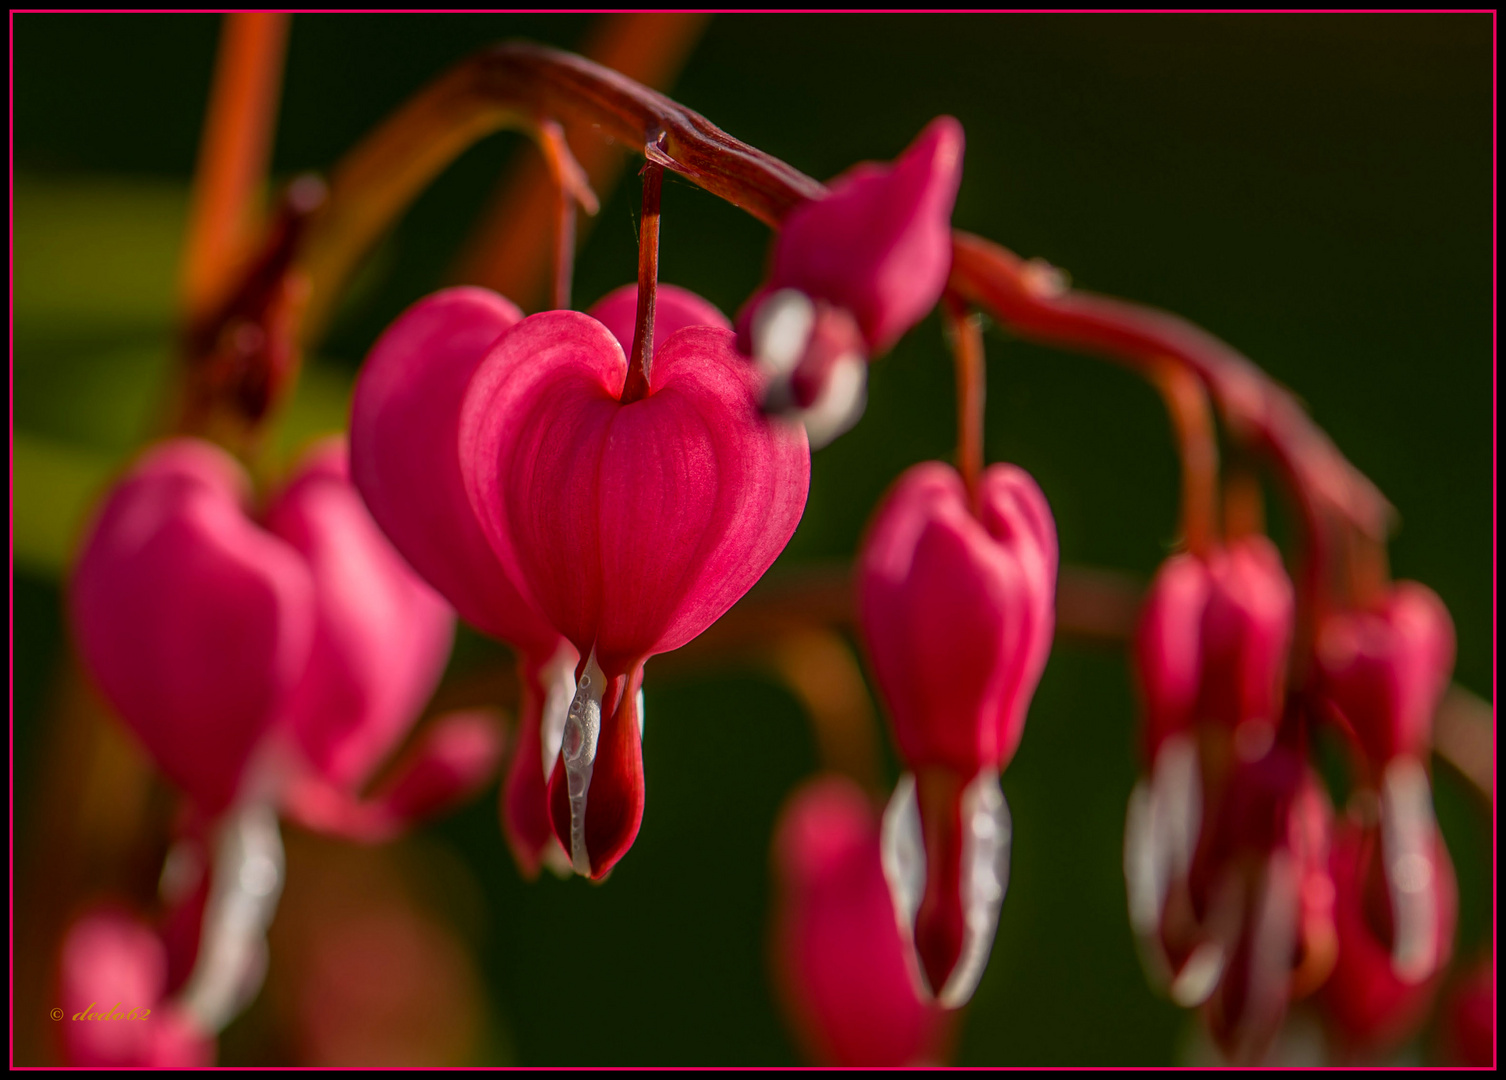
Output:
(596, 791)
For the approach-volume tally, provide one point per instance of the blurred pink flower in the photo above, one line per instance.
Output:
(839, 955)
(211, 629)
(1384, 671)
(1212, 641)
(112, 980)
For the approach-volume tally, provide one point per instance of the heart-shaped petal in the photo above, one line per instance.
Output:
(957, 612)
(403, 443)
(634, 526)
(195, 623)
(674, 309)
(381, 637)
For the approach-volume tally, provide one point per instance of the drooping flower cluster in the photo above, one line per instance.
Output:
(1245, 892)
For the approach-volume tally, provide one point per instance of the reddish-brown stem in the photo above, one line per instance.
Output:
(509, 251)
(517, 83)
(641, 358)
(233, 154)
(1038, 307)
(1192, 420)
(965, 334)
(1244, 503)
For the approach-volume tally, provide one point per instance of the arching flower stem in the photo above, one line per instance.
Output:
(1197, 446)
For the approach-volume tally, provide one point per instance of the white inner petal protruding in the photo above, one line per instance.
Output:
(986, 835)
(781, 329)
(1160, 834)
(1199, 975)
(578, 751)
(1407, 831)
(640, 712)
(841, 403)
(243, 893)
(902, 849)
(559, 692)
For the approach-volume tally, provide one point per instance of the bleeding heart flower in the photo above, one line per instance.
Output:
(840, 957)
(112, 981)
(209, 630)
(406, 462)
(632, 525)
(849, 274)
(1384, 671)
(955, 602)
(195, 622)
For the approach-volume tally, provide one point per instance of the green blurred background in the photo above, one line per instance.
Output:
(1316, 190)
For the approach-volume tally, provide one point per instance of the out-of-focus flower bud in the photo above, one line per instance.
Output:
(839, 955)
(1384, 671)
(1212, 644)
(955, 603)
(112, 979)
(196, 623)
(849, 274)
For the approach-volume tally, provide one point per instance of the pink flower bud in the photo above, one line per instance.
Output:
(195, 623)
(1212, 643)
(1384, 671)
(112, 979)
(956, 609)
(880, 244)
(839, 956)
(849, 274)
(1373, 1001)
(634, 526)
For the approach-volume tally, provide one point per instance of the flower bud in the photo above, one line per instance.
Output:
(1212, 642)
(956, 609)
(1384, 671)
(849, 274)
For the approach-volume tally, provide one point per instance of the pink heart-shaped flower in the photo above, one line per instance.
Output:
(195, 623)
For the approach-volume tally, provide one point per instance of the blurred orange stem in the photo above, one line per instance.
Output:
(1192, 420)
(571, 188)
(234, 152)
(965, 334)
(508, 249)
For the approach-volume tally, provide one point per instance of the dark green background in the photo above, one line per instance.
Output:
(1316, 190)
